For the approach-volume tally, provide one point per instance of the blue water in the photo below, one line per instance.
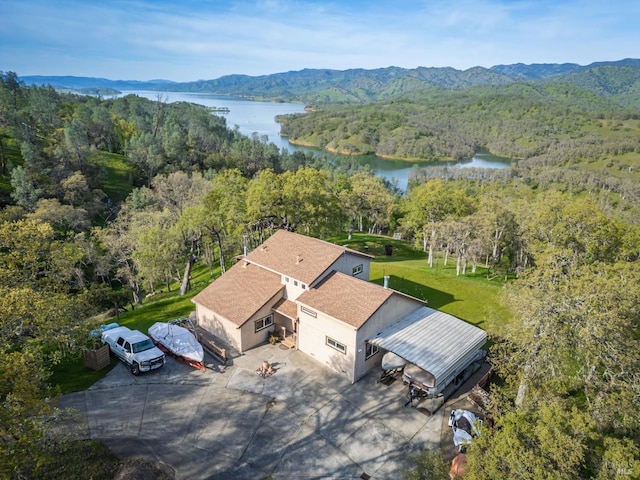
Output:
(252, 117)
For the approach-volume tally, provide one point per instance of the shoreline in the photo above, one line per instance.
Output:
(334, 151)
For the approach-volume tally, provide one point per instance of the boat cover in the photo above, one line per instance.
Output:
(418, 375)
(178, 340)
(392, 361)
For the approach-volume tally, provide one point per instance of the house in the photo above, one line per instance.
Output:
(315, 294)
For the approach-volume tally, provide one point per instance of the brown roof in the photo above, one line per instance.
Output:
(298, 256)
(287, 308)
(346, 298)
(240, 292)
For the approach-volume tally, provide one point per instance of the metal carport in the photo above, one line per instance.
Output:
(437, 342)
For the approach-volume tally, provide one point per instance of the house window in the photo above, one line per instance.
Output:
(295, 282)
(357, 270)
(304, 286)
(338, 346)
(311, 313)
(286, 279)
(370, 350)
(263, 323)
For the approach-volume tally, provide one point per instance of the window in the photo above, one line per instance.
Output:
(143, 346)
(338, 346)
(357, 270)
(286, 279)
(304, 286)
(311, 313)
(295, 282)
(370, 350)
(263, 323)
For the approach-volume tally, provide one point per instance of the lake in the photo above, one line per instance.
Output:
(259, 117)
(250, 116)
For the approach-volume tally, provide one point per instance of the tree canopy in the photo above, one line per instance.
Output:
(103, 201)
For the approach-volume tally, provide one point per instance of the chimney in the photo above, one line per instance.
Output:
(386, 281)
(298, 259)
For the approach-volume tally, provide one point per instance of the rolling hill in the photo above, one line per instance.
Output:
(617, 80)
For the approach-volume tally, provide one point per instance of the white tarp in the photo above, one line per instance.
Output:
(178, 340)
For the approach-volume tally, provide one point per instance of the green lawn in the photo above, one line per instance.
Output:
(472, 298)
(72, 376)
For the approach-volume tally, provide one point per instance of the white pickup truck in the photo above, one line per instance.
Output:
(134, 348)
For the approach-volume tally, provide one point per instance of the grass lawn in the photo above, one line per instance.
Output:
(472, 298)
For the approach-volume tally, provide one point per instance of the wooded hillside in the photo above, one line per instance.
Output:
(361, 86)
(107, 201)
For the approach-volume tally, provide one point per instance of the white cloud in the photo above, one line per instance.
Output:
(207, 39)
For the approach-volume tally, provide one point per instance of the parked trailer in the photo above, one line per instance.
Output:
(392, 366)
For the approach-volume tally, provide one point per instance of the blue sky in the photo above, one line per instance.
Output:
(185, 40)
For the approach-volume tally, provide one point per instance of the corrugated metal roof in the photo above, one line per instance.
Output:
(434, 341)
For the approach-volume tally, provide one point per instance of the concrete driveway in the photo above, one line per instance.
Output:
(303, 422)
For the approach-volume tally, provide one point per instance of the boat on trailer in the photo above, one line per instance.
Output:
(391, 361)
(179, 342)
(392, 365)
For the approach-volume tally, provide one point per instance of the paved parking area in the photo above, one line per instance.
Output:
(303, 422)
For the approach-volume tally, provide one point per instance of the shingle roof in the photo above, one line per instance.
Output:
(287, 308)
(298, 256)
(346, 298)
(240, 292)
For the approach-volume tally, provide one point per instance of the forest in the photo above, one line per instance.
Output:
(618, 80)
(104, 202)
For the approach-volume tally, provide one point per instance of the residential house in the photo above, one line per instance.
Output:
(314, 293)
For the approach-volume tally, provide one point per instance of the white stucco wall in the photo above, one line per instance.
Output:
(293, 287)
(286, 322)
(251, 338)
(396, 307)
(312, 334)
(346, 263)
(241, 338)
(219, 326)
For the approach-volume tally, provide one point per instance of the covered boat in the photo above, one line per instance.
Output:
(391, 361)
(179, 342)
(414, 374)
(392, 365)
(442, 350)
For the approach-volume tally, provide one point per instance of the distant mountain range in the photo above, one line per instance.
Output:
(617, 79)
(93, 83)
